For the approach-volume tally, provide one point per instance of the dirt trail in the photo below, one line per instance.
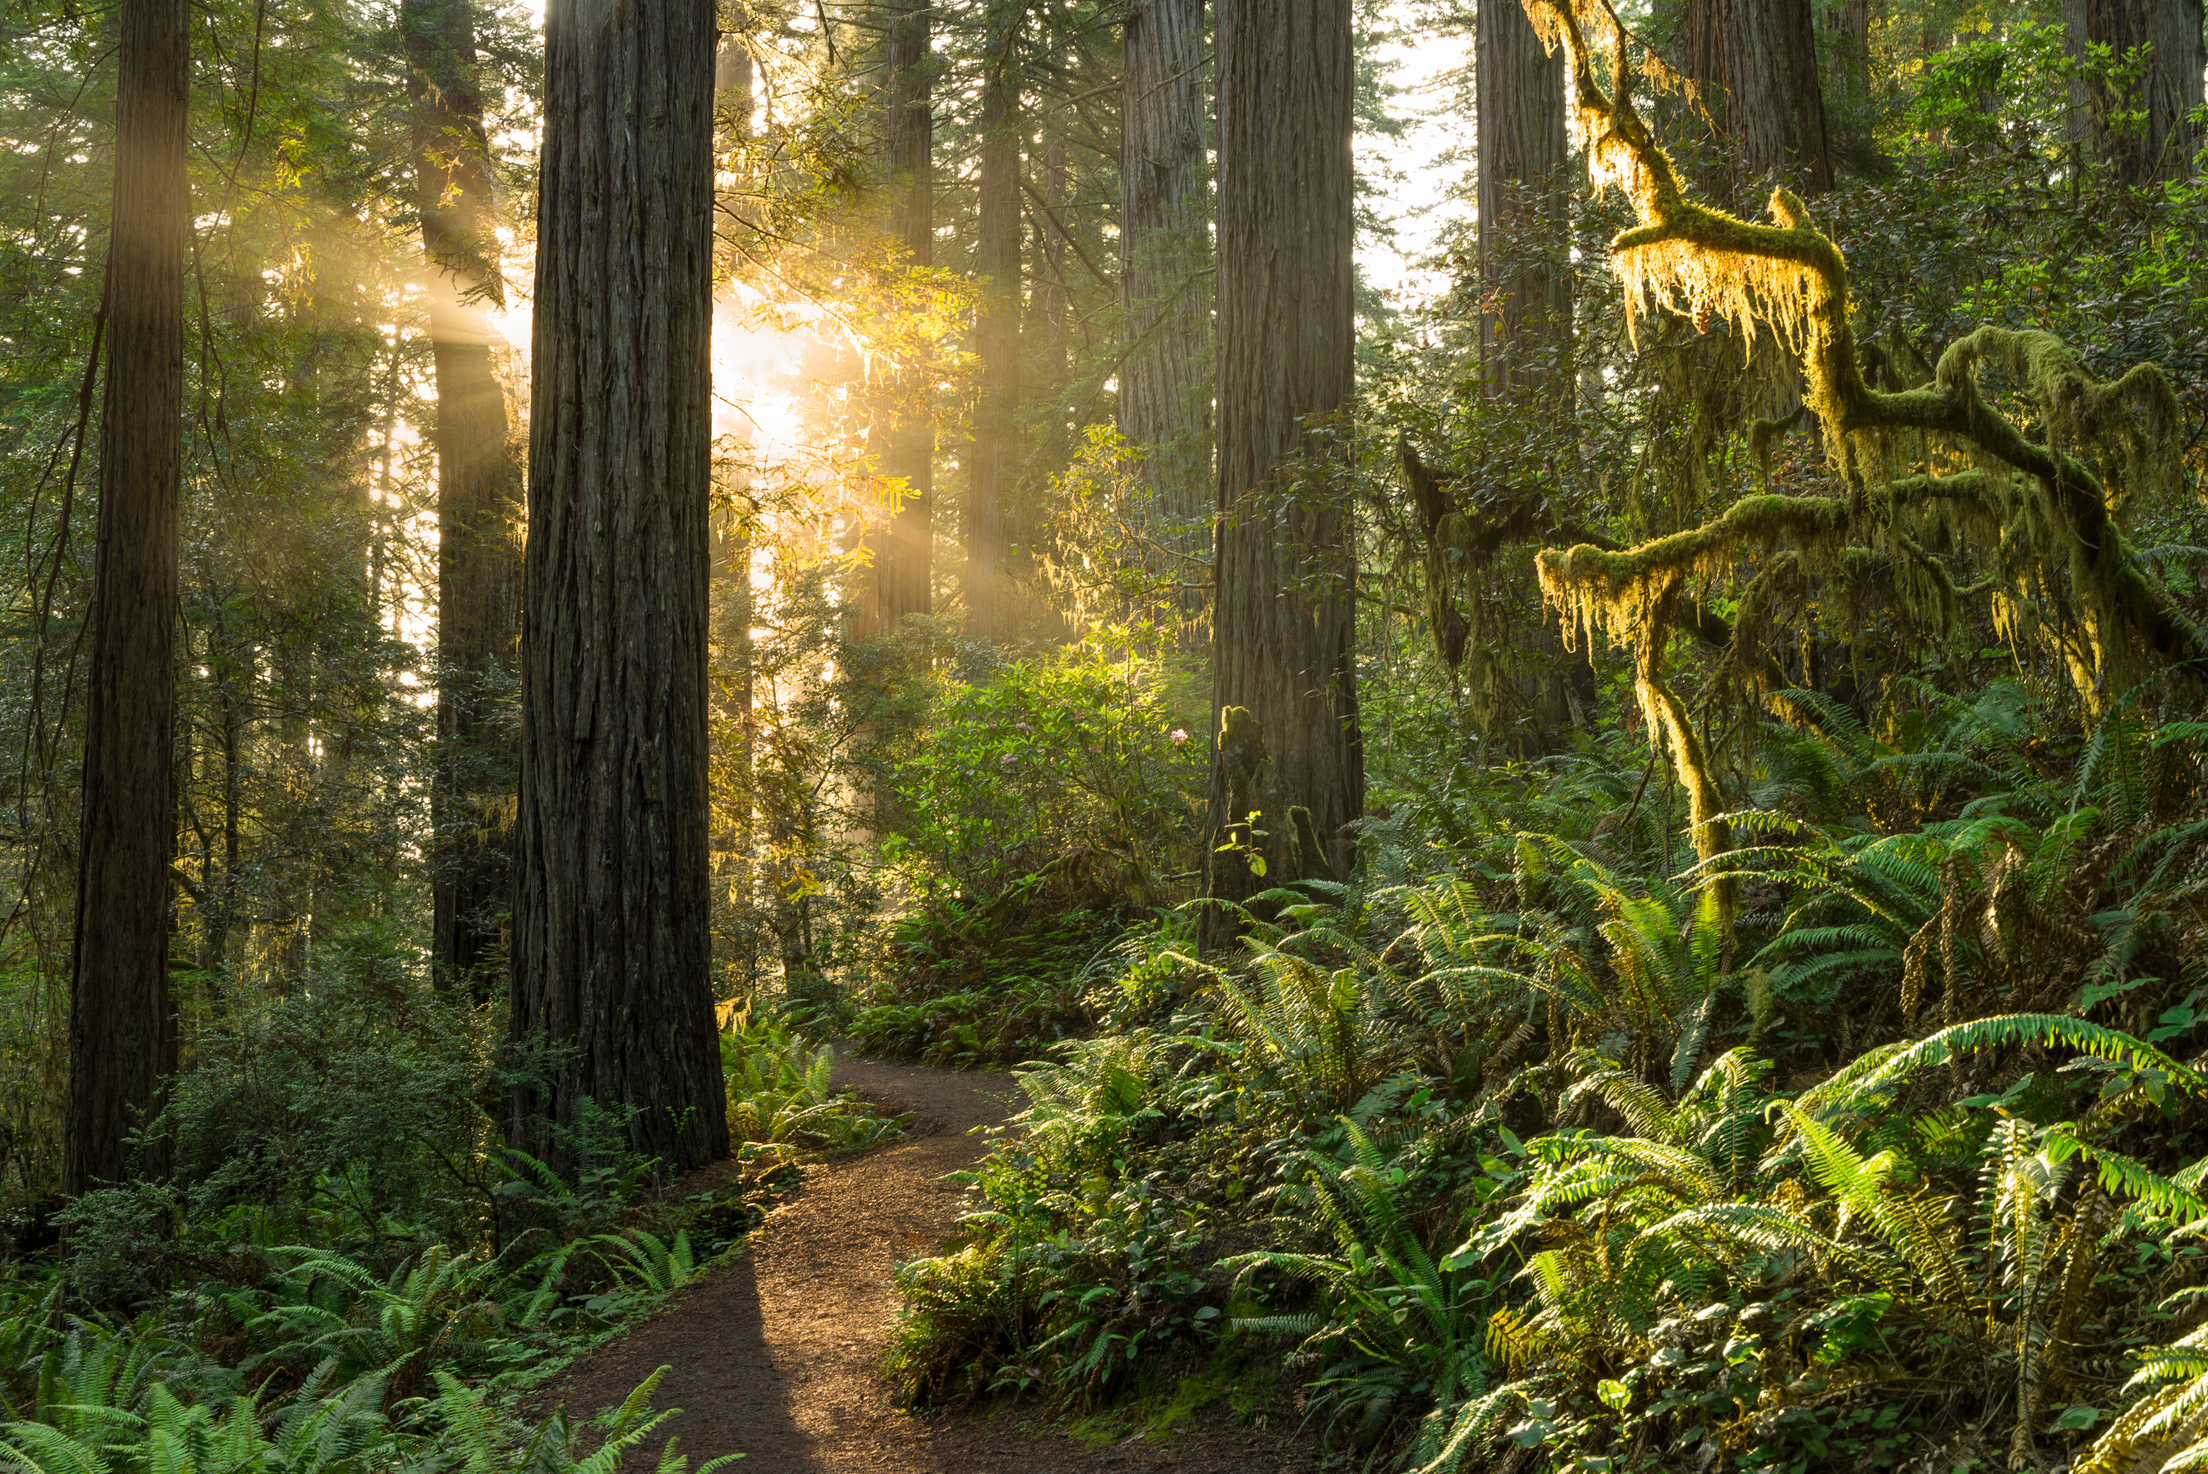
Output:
(773, 1354)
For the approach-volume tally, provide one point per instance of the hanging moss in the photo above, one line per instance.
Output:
(2131, 420)
(2061, 568)
(1787, 279)
(1762, 434)
(1618, 592)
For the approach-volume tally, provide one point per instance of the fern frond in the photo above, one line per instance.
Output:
(1853, 1085)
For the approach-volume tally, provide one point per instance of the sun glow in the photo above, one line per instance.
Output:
(757, 374)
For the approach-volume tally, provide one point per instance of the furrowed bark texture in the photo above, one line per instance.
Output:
(903, 565)
(1165, 382)
(122, 1030)
(996, 331)
(611, 951)
(1524, 163)
(2140, 130)
(478, 496)
(1284, 647)
(1757, 63)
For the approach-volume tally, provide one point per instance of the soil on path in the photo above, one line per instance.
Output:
(772, 1355)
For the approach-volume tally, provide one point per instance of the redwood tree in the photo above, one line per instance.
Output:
(122, 1031)
(478, 495)
(1283, 663)
(1756, 61)
(1165, 381)
(994, 467)
(2138, 120)
(1523, 198)
(611, 954)
(905, 434)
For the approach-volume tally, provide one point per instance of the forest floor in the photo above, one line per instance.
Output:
(773, 1353)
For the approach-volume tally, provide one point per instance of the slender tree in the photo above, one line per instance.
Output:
(478, 495)
(905, 449)
(1846, 49)
(2138, 120)
(1283, 662)
(995, 453)
(1165, 381)
(1051, 322)
(122, 1032)
(1523, 163)
(611, 950)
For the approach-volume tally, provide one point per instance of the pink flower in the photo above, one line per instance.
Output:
(1024, 727)
(1005, 761)
(1180, 734)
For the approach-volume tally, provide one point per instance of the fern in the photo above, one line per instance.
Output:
(1854, 1087)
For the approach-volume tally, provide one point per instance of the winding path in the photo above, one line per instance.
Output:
(772, 1354)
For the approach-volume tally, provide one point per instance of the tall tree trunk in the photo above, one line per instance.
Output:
(2154, 139)
(611, 952)
(996, 328)
(1524, 162)
(1756, 61)
(1848, 22)
(1165, 381)
(1053, 322)
(733, 604)
(1525, 337)
(122, 1027)
(1283, 664)
(478, 488)
(903, 565)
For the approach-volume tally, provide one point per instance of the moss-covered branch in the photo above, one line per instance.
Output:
(1459, 532)
(1789, 277)
(2048, 516)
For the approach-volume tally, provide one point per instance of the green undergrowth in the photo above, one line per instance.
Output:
(980, 984)
(1527, 1160)
(336, 1277)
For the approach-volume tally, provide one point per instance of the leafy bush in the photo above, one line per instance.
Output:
(989, 984)
(779, 1091)
(1038, 758)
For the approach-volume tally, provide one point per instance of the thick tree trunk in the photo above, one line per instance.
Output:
(478, 491)
(122, 1028)
(1284, 658)
(1757, 63)
(1165, 381)
(904, 563)
(996, 330)
(611, 949)
(1524, 166)
(2140, 131)
(1525, 341)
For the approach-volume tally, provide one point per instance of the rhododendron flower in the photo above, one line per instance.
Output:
(1180, 734)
